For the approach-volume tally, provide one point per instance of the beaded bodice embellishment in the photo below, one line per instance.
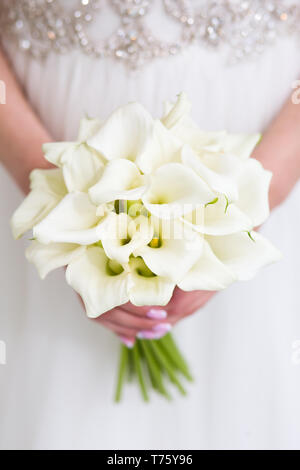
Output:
(245, 27)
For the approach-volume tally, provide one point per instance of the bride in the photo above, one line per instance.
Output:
(238, 62)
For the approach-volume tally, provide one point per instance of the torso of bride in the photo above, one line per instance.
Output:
(232, 345)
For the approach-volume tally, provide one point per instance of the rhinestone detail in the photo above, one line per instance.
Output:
(246, 27)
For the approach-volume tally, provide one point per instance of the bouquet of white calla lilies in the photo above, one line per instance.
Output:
(138, 206)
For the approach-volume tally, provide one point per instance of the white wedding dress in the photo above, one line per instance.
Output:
(57, 386)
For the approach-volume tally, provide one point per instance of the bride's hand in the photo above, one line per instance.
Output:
(130, 322)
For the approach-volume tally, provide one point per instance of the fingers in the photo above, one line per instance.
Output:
(129, 326)
(140, 311)
(129, 342)
(128, 320)
(150, 311)
(184, 304)
(128, 333)
(152, 322)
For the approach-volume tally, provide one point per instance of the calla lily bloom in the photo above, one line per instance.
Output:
(174, 249)
(104, 284)
(47, 190)
(174, 190)
(139, 205)
(46, 258)
(122, 235)
(140, 138)
(73, 220)
(81, 164)
(179, 122)
(120, 180)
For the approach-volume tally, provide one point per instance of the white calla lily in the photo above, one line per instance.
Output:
(140, 139)
(101, 287)
(222, 143)
(104, 284)
(200, 141)
(253, 186)
(241, 145)
(104, 209)
(124, 133)
(121, 235)
(53, 151)
(73, 220)
(145, 288)
(161, 148)
(218, 218)
(244, 254)
(47, 190)
(173, 250)
(46, 258)
(218, 171)
(87, 128)
(175, 190)
(208, 273)
(243, 181)
(121, 179)
(81, 165)
(175, 113)
(177, 119)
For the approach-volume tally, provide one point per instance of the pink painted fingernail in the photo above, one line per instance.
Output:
(162, 327)
(146, 334)
(160, 334)
(157, 332)
(157, 313)
(128, 342)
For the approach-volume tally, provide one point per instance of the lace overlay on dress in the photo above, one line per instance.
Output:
(246, 27)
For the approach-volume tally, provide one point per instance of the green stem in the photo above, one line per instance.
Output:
(166, 364)
(139, 372)
(175, 356)
(147, 361)
(160, 357)
(121, 374)
(130, 365)
(154, 370)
